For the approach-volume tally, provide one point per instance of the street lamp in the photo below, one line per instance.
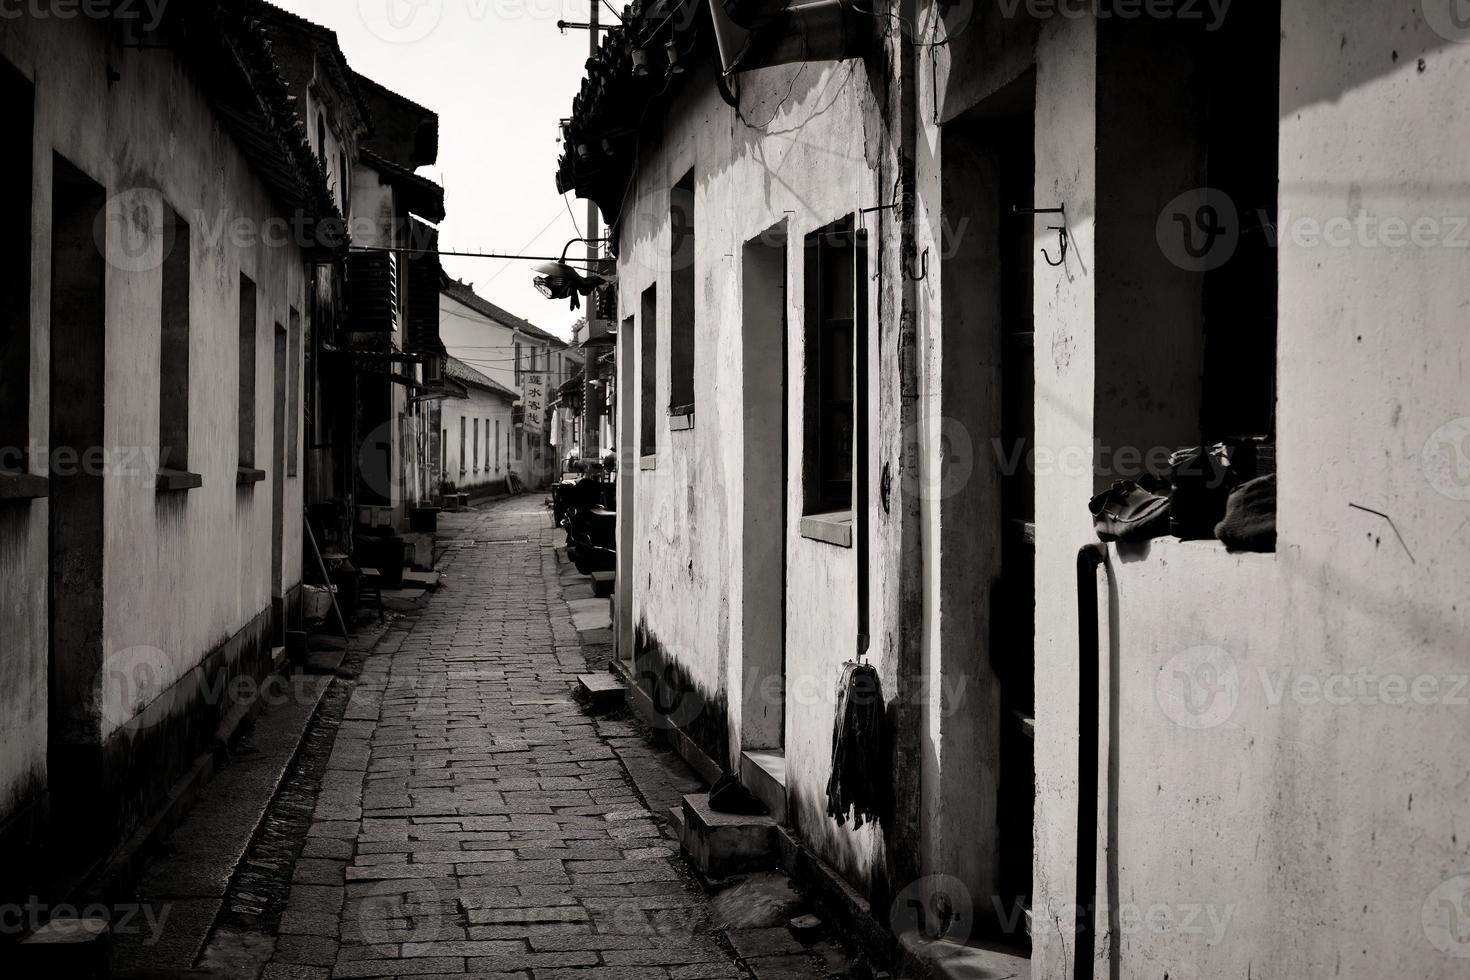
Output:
(558, 280)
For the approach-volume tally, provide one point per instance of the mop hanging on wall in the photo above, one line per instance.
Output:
(861, 765)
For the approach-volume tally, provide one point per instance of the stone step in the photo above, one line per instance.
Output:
(676, 822)
(722, 844)
(79, 948)
(944, 959)
(604, 584)
(601, 691)
(763, 772)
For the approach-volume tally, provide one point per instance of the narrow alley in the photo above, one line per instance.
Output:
(748, 489)
(474, 819)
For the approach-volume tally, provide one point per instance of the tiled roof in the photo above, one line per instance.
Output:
(462, 372)
(421, 195)
(229, 51)
(462, 292)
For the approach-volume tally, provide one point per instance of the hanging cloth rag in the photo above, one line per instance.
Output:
(861, 776)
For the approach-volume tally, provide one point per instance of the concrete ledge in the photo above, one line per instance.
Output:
(838, 902)
(835, 528)
(763, 773)
(69, 947)
(942, 959)
(681, 422)
(648, 462)
(245, 476)
(641, 703)
(722, 844)
(23, 486)
(601, 691)
(172, 481)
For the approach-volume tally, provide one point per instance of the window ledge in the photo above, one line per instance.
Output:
(245, 476)
(834, 528)
(172, 481)
(648, 462)
(681, 421)
(24, 486)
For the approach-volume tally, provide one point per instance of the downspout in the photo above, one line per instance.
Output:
(908, 720)
(1089, 692)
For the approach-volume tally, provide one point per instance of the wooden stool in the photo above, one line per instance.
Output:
(372, 582)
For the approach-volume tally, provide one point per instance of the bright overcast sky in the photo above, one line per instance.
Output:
(500, 75)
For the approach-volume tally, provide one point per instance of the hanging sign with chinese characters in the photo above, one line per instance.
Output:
(533, 399)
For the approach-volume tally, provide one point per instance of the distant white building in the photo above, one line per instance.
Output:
(477, 453)
(511, 352)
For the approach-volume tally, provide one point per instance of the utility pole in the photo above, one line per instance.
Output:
(592, 399)
(591, 404)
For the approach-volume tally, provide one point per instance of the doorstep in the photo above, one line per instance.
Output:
(942, 959)
(722, 844)
(763, 773)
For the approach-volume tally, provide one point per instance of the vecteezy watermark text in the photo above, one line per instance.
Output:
(150, 12)
(128, 918)
(1211, 13)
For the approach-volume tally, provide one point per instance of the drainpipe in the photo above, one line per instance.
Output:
(909, 624)
(1089, 693)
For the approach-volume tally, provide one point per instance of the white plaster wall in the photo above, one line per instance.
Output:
(488, 346)
(1315, 832)
(806, 165)
(489, 409)
(184, 572)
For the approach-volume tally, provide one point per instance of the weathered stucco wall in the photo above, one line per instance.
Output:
(1274, 790)
(798, 156)
(184, 573)
(489, 346)
(493, 413)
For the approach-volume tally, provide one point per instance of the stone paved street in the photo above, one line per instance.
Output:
(472, 820)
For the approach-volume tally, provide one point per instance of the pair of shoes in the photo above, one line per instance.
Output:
(1201, 479)
(1127, 512)
(1250, 517)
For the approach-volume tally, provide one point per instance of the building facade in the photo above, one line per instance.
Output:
(890, 316)
(515, 354)
(478, 432)
(155, 309)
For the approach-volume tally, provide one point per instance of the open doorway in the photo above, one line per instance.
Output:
(988, 177)
(76, 536)
(280, 399)
(764, 519)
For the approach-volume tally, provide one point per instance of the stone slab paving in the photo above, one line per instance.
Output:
(472, 821)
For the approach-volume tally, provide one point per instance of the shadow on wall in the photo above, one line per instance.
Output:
(679, 702)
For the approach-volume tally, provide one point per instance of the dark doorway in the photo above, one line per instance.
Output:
(988, 560)
(764, 525)
(76, 539)
(280, 399)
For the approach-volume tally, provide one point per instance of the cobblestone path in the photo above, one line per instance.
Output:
(472, 821)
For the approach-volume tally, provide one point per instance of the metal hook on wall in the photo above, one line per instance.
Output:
(908, 270)
(1062, 239)
(1060, 229)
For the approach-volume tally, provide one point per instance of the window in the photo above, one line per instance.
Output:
(648, 372)
(321, 138)
(173, 359)
(463, 449)
(681, 297)
(487, 445)
(15, 272)
(836, 313)
(293, 399)
(248, 331)
(497, 445)
(1241, 141)
(518, 363)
